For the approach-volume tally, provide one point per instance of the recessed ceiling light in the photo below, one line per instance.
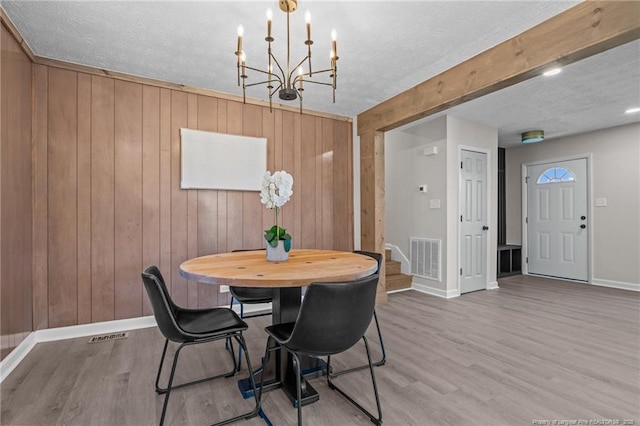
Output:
(632, 110)
(552, 71)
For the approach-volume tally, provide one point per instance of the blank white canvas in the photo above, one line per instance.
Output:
(219, 161)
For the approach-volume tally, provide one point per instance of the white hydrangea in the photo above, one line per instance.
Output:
(277, 189)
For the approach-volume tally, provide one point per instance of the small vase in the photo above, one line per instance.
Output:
(278, 253)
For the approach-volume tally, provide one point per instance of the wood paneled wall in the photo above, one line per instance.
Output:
(109, 203)
(16, 320)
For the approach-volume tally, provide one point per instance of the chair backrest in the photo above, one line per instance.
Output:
(334, 316)
(376, 256)
(164, 309)
(251, 294)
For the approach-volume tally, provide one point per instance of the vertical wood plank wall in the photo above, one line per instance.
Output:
(110, 203)
(16, 320)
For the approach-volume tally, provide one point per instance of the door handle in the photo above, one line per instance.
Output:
(485, 228)
(583, 226)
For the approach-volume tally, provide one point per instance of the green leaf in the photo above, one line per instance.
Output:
(270, 235)
(273, 243)
(287, 244)
(285, 237)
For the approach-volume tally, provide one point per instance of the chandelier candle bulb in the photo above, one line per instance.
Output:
(334, 47)
(269, 19)
(301, 77)
(240, 33)
(307, 18)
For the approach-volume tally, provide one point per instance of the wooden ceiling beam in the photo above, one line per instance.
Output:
(584, 30)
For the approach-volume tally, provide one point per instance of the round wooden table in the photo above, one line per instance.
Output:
(251, 269)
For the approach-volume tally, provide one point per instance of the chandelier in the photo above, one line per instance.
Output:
(289, 81)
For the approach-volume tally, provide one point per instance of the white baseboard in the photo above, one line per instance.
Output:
(83, 330)
(396, 254)
(15, 357)
(445, 294)
(616, 284)
(400, 290)
(11, 361)
(492, 285)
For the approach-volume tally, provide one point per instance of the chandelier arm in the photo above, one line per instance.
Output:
(275, 90)
(264, 72)
(298, 66)
(318, 82)
(279, 67)
(257, 84)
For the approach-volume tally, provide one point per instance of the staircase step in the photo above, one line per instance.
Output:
(398, 282)
(392, 267)
(387, 254)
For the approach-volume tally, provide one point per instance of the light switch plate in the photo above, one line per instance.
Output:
(601, 202)
(434, 204)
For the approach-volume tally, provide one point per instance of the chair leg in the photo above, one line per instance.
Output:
(256, 408)
(382, 360)
(160, 390)
(296, 369)
(164, 351)
(265, 361)
(376, 420)
(169, 387)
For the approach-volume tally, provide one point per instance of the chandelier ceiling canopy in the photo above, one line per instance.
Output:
(284, 79)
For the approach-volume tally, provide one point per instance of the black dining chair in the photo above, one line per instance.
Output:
(383, 358)
(193, 326)
(249, 296)
(333, 317)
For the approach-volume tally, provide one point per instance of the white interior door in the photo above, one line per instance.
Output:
(557, 232)
(474, 222)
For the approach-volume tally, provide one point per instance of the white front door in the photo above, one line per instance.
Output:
(473, 221)
(557, 232)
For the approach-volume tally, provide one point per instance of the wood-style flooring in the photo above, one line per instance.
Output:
(533, 351)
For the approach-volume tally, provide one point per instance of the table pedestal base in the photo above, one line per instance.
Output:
(312, 367)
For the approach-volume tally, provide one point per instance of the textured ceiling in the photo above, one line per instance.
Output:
(588, 95)
(385, 47)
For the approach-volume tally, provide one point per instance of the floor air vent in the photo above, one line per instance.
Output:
(108, 337)
(425, 258)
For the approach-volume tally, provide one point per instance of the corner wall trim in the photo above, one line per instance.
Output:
(492, 285)
(15, 357)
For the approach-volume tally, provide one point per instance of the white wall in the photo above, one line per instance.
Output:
(615, 175)
(467, 134)
(408, 213)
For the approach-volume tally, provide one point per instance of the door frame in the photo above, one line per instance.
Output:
(490, 256)
(590, 208)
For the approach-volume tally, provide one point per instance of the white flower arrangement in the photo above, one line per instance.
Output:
(277, 189)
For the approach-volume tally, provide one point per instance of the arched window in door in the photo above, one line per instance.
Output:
(556, 175)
